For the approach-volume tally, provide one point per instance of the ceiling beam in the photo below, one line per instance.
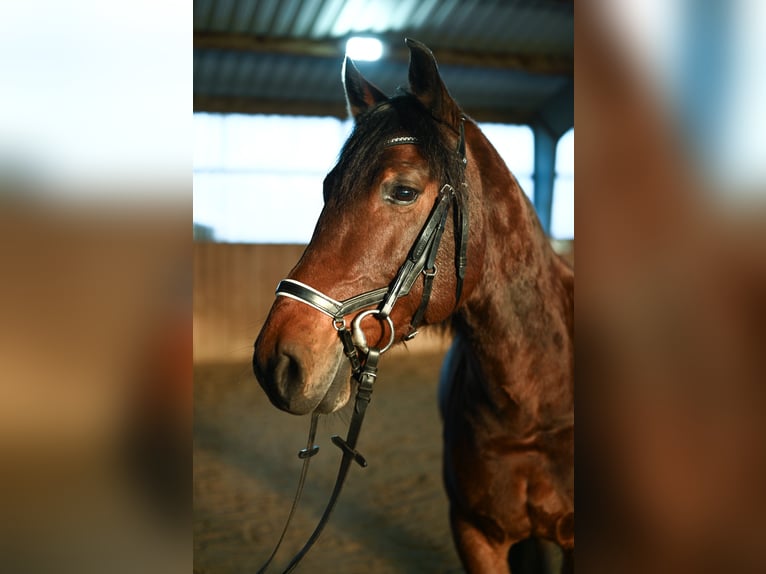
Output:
(249, 105)
(245, 105)
(530, 63)
(558, 112)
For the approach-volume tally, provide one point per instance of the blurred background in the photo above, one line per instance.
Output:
(95, 286)
(671, 322)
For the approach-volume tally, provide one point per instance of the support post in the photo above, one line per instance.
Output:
(545, 173)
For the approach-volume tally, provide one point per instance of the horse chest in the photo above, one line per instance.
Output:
(523, 487)
(502, 466)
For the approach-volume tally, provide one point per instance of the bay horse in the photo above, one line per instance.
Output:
(507, 385)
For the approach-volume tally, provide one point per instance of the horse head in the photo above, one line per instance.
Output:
(405, 153)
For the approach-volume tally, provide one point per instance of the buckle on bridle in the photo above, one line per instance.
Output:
(308, 452)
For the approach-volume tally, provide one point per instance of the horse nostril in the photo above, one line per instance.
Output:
(287, 373)
(282, 376)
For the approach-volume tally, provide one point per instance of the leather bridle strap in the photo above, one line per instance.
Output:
(423, 251)
(429, 269)
(461, 244)
(305, 454)
(461, 241)
(461, 216)
(365, 378)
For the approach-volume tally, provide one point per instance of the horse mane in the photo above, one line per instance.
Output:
(358, 164)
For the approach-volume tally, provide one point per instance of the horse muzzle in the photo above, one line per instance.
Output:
(301, 369)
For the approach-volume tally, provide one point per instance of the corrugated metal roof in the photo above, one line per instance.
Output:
(501, 60)
(519, 26)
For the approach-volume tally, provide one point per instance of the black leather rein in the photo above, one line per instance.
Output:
(420, 260)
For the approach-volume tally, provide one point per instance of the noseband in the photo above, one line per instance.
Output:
(420, 260)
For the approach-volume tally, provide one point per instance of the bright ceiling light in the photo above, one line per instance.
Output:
(366, 49)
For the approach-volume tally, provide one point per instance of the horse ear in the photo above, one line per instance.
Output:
(360, 94)
(427, 85)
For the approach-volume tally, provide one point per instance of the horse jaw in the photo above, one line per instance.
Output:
(299, 363)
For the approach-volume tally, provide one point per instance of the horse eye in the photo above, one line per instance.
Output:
(404, 195)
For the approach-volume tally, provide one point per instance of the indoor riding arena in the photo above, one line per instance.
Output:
(270, 120)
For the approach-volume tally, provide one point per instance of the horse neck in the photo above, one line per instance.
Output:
(518, 320)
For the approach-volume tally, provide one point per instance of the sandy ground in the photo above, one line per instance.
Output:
(392, 515)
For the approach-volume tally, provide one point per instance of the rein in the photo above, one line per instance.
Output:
(364, 366)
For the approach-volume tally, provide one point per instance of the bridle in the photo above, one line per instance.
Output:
(421, 260)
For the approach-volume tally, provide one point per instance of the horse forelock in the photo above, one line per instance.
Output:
(359, 161)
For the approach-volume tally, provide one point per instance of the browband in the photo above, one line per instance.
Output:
(401, 140)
